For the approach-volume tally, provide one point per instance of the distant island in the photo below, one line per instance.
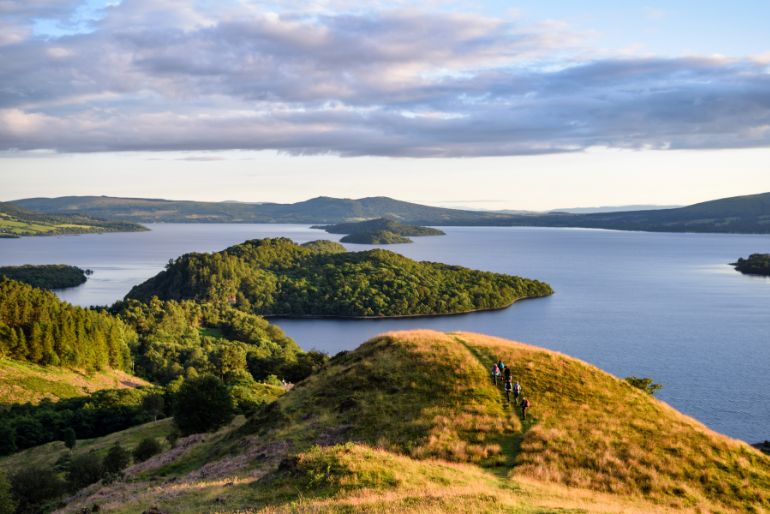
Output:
(741, 214)
(46, 276)
(756, 264)
(277, 277)
(18, 222)
(379, 231)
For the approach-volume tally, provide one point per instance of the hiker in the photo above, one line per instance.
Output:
(507, 373)
(501, 365)
(516, 391)
(524, 407)
(495, 373)
(508, 389)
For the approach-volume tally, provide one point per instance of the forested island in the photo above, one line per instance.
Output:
(46, 276)
(381, 231)
(756, 264)
(277, 277)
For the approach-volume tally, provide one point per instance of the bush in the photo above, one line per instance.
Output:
(202, 404)
(116, 460)
(7, 439)
(146, 448)
(7, 503)
(69, 438)
(645, 384)
(35, 486)
(84, 470)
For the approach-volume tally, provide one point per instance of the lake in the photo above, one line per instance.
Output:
(667, 306)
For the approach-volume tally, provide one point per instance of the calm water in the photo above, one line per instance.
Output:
(660, 305)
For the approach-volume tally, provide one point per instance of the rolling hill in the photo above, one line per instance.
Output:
(411, 422)
(741, 214)
(17, 222)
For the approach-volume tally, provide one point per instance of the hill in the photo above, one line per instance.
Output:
(411, 422)
(316, 210)
(740, 214)
(17, 222)
(22, 382)
(281, 278)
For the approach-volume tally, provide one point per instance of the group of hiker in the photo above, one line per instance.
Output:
(501, 371)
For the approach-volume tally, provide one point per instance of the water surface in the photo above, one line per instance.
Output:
(667, 306)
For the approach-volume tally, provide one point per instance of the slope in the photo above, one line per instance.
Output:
(410, 422)
(17, 222)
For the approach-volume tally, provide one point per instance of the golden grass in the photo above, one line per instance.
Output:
(22, 382)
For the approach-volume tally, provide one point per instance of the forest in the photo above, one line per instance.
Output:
(755, 264)
(278, 277)
(46, 276)
(36, 326)
(380, 237)
(380, 225)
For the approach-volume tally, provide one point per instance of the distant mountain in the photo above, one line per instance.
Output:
(16, 222)
(316, 210)
(610, 208)
(740, 214)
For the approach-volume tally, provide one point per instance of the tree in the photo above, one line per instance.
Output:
(33, 486)
(69, 437)
(85, 469)
(146, 448)
(202, 404)
(154, 404)
(117, 459)
(645, 384)
(7, 439)
(7, 502)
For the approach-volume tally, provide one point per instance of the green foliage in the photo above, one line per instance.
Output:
(146, 448)
(46, 276)
(324, 246)
(181, 339)
(645, 384)
(36, 326)
(756, 264)
(84, 469)
(379, 237)
(380, 225)
(7, 501)
(101, 413)
(279, 277)
(34, 486)
(202, 404)
(117, 459)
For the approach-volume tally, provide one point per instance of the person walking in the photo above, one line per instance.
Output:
(524, 406)
(495, 373)
(508, 389)
(516, 391)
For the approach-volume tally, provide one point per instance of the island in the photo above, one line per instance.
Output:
(46, 276)
(279, 278)
(756, 264)
(379, 231)
(18, 222)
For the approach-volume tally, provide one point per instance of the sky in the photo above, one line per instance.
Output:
(492, 105)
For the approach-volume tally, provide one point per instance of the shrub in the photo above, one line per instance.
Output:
(69, 437)
(33, 486)
(202, 404)
(7, 503)
(146, 448)
(117, 459)
(645, 384)
(84, 470)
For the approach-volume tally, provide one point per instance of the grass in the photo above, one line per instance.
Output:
(22, 382)
(410, 422)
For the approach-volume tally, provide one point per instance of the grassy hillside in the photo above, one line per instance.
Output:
(22, 382)
(17, 222)
(410, 422)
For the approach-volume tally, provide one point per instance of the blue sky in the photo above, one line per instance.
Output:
(552, 103)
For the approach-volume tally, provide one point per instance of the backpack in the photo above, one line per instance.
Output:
(517, 388)
(525, 404)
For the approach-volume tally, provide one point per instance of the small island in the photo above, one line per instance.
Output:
(756, 264)
(279, 278)
(380, 231)
(46, 276)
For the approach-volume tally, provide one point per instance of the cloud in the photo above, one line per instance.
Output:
(163, 75)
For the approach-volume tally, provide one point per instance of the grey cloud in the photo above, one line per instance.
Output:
(161, 76)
